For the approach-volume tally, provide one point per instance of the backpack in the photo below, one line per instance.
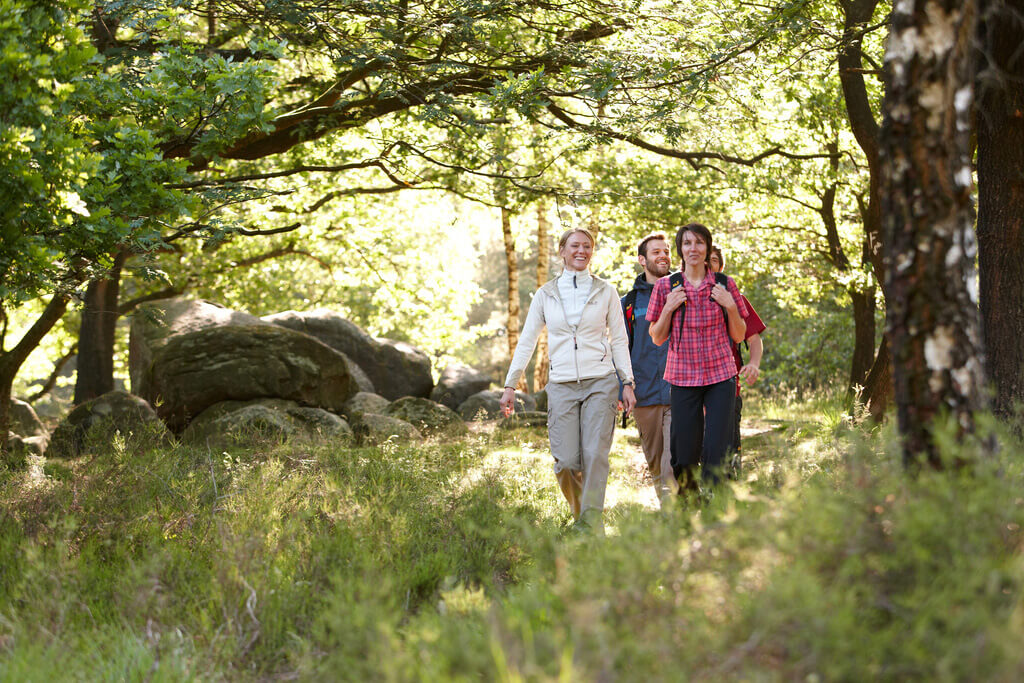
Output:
(676, 280)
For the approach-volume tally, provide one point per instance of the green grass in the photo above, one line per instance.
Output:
(453, 561)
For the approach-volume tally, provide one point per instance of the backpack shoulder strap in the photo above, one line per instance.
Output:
(723, 279)
(676, 280)
(629, 312)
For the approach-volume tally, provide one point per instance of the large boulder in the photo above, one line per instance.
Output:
(154, 324)
(365, 402)
(192, 371)
(487, 405)
(457, 383)
(98, 422)
(395, 368)
(27, 434)
(374, 429)
(239, 422)
(527, 418)
(23, 420)
(427, 416)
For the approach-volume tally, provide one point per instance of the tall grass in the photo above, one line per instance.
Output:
(453, 561)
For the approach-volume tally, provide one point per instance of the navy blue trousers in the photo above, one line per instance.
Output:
(703, 422)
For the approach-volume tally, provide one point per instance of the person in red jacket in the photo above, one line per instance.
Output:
(749, 370)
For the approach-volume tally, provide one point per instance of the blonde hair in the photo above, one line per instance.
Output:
(570, 232)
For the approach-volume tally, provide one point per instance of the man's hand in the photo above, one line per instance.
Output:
(508, 401)
(628, 401)
(750, 372)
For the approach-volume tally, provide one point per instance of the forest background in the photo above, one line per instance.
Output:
(409, 165)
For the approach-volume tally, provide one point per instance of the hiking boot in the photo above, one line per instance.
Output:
(590, 523)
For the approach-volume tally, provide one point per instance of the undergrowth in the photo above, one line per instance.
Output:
(453, 561)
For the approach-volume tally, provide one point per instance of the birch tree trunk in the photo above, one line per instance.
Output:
(540, 369)
(931, 316)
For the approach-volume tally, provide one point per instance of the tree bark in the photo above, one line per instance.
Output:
(95, 375)
(878, 392)
(512, 269)
(11, 361)
(540, 368)
(857, 15)
(931, 315)
(864, 335)
(1000, 126)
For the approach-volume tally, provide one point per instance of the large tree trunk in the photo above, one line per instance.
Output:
(95, 375)
(1000, 121)
(931, 317)
(857, 15)
(878, 384)
(864, 335)
(512, 269)
(540, 369)
(11, 361)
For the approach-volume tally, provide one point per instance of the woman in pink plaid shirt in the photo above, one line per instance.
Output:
(700, 365)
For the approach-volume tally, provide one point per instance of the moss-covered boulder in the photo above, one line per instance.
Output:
(193, 371)
(365, 402)
(372, 429)
(527, 418)
(487, 405)
(395, 368)
(241, 422)
(457, 383)
(427, 416)
(97, 423)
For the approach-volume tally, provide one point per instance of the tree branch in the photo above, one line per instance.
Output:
(692, 157)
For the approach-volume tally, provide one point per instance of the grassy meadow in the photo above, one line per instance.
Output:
(453, 560)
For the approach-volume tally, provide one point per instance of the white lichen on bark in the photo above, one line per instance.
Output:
(938, 349)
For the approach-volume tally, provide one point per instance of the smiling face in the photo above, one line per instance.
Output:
(694, 249)
(715, 262)
(656, 261)
(577, 251)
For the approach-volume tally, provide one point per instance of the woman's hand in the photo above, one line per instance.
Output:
(723, 297)
(508, 401)
(675, 299)
(628, 401)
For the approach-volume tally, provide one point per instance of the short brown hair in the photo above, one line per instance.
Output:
(697, 229)
(641, 249)
(721, 256)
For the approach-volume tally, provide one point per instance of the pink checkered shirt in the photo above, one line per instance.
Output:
(700, 353)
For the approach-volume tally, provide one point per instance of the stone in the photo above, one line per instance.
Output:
(154, 324)
(427, 416)
(96, 423)
(374, 429)
(23, 420)
(541, 399)
(487, 405)
(365, 402)
(394, 368)
(527, 418)
(457, 383)
(242, 422)
(195, 370)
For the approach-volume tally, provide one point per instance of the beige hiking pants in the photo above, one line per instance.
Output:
(581, 423)
(654, 424)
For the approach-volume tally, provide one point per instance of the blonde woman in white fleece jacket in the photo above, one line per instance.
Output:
(587, 344)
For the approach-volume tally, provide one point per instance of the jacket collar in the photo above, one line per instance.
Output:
(641, 284)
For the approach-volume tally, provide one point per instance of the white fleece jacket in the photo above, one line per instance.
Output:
(594, 347)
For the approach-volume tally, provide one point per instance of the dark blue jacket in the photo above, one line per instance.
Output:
(648, 360)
